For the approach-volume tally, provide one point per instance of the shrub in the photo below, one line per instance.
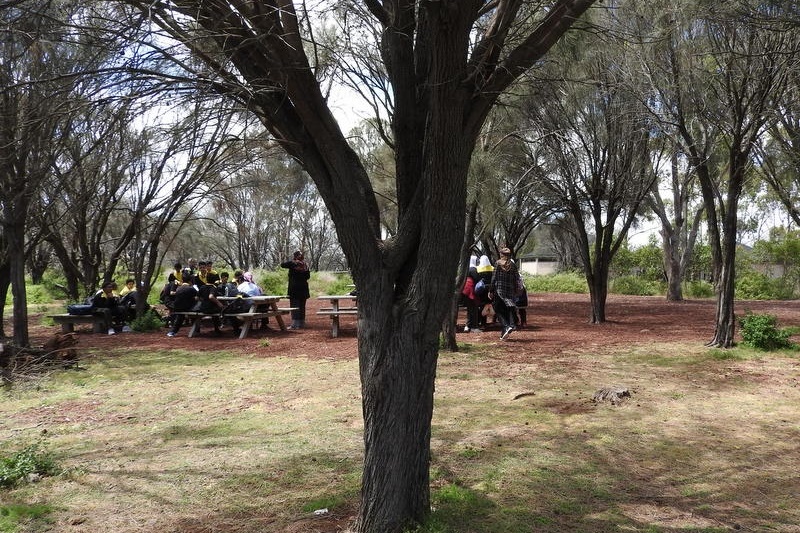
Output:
(752, 285)
(699, 289)
(761, 331)
(636, 286)
(149, 321)
(561, 282)
(30, 460)
(273, 281)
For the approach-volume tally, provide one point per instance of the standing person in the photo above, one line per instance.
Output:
(298, 288)
(521, 301)
(470, 299)
(485, 271)
(502, 291)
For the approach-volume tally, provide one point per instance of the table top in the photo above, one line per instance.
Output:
(332, 297)
(262, 298)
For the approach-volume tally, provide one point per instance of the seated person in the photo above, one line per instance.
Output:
(130, 286)
(210, 305)
(177, 273)
(107, 303)
(184, 299)
(247, 285)
(226, 287)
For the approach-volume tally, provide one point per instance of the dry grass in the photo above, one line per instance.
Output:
(213, 442)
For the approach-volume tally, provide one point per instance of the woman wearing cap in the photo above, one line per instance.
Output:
(502, 291)
(298, 288)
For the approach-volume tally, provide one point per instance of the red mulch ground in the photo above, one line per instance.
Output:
(557, 323)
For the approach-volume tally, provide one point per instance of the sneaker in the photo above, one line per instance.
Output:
(170, 334)
(466, 329)
(505, 334)
(112, 332)
(126, 329)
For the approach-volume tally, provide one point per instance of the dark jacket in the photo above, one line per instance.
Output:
(298, 279)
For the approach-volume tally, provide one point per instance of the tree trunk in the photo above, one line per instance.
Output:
(5, 282)
(398, 367)
(14, 215)
(672, 265)
(598, 292)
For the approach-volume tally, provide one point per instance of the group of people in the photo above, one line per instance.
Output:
(117, 308)
(494, 292)
(198, 287)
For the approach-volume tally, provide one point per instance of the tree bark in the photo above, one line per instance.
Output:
(397, 373)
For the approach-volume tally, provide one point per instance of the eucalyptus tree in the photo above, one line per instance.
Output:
(743, 56)
(445, 63)
(599, 158)
(42, 57)
(778, 153)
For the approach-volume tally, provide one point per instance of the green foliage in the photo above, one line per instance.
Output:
(30, 460)
(753, 285)
(12, 516)
(645, 262)
(273, 281)
(761, 331)
(571, 282)
(149, 321)
(636, 286)
(698, 289)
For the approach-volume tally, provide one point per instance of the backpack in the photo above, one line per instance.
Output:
(481, 290)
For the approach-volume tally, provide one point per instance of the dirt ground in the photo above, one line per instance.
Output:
(557, 323)
(558, 329)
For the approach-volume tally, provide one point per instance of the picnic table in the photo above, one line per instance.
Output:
(261, 307)
(335, 310)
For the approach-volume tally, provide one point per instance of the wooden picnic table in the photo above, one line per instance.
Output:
(335, 310)
(260, 307)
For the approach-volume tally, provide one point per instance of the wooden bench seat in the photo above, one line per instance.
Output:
(246, 318)
(335, 314)
(68, 322)
(340, 311)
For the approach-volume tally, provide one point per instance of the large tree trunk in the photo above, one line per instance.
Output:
(397, 394)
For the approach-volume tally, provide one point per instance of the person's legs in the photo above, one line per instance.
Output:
(297, 305)
(473, 314)
(302, 313)
(176, 325)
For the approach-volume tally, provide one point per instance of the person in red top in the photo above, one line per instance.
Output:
(469, 299)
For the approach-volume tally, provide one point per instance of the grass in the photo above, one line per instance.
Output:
(178, 441)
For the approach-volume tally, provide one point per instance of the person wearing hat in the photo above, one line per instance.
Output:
(502, 291)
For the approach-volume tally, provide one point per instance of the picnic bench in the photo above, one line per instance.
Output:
(67, 322)
(261, 307)
(335, 310)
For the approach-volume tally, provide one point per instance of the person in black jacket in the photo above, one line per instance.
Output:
(106, 301)
(298, 288)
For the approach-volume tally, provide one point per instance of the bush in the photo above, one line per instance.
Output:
(698, 289)
(149, 321)
(636, 286)
(761, 331)
(561, 282)
(752, 285)
(30, 460)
